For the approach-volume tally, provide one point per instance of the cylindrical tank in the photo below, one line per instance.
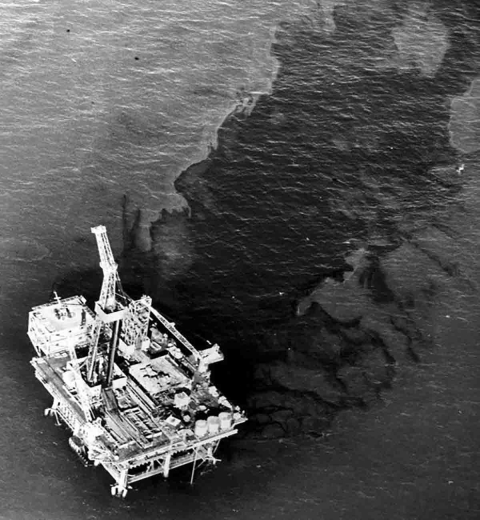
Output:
(201, 428)
(213, 423)
(225, 420)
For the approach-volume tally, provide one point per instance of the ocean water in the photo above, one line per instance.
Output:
(102, 100)
(118, 98)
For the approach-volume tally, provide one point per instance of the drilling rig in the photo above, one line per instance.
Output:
(135, 394)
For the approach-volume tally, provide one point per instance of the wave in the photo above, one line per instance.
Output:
(22, 249)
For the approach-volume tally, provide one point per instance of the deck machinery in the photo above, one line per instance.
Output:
(135, 393)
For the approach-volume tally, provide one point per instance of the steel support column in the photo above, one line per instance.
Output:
(166, 465)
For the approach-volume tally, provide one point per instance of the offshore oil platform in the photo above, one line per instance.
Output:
(135, 393)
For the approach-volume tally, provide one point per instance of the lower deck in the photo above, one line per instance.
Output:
(129, 440)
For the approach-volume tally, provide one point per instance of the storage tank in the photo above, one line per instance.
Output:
(201, 428)
(225, 420)
(213, 423)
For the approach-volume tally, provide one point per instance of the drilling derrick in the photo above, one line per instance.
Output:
(109, 267)
(134, 392)
(108, 312)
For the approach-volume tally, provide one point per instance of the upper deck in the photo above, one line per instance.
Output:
(56, 326)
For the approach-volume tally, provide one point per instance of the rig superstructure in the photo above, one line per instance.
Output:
(135, 393)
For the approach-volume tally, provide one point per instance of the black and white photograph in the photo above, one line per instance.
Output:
(239, 259)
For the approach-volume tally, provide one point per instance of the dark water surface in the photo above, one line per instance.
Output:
(340, 151)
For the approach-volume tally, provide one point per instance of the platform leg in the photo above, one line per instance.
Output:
(211, 453)
(52, 410)
(193, 467)
(166, 465)
(120, 488)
